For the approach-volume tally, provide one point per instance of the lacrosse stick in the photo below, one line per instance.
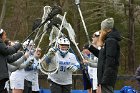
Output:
(55, 10)
(47, 10)
(68, 27)
(83, 66)
(77, 47)
(72, 38)
(48, 68)
(51, 67)
(71, 33)
(77, 2)
(54, 22)
(60, 28)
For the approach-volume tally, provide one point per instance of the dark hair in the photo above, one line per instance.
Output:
(7, 42)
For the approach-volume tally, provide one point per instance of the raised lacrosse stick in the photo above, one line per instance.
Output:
(71, 33)
(60, 28)
(47, 10)
(55, 10)
(77, 2)
(72, 38)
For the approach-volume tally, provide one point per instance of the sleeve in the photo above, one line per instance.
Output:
(14, 57)
(12, 68)
(91, 64)
(19, 61)
(93, 50)
(74, 61)
(26, 65)
(30, 67)
(4, 50)
(92, 61)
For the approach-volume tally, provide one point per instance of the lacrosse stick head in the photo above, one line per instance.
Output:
(36, 24)
(77, 2)
(47, 10)
(54, 22)
(48, 67)
(29, 45)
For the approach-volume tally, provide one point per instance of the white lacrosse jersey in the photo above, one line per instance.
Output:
(63, 76)
(93, 73)
(32, 76)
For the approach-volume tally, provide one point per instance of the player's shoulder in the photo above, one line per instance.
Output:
(71, 54)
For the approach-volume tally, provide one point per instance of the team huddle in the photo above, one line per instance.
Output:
(99, 60)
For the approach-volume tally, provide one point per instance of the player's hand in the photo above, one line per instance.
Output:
(51, 52)
(26, 55)
(85, 61)
(53, 49)
(30, 61)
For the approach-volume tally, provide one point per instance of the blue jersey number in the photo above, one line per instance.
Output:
(63, 68)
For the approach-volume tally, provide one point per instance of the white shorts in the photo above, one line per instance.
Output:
(17, 80)
(17, 83)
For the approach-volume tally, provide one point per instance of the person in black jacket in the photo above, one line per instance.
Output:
(108, 56)
(4, 52)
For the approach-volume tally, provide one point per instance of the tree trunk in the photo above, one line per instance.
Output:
(3, 12)
(131, 42)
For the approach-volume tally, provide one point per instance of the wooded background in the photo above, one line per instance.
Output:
(17, 17)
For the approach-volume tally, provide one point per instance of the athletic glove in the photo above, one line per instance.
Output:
(53, 49)
(72, 68)
(51, 52)
(29, 61)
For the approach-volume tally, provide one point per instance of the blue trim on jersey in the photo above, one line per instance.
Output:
(48, 60)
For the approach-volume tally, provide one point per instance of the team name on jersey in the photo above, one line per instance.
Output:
(64, 63)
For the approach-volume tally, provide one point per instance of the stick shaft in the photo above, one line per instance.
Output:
(78, 50)
(83, 23)
(60, 28)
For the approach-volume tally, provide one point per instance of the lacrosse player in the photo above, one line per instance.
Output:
(61, 81)
(4, 52)
(32, 73)
(17, 77)
(90, 83)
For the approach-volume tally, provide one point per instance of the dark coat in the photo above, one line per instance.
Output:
(14, 57)
(108, 59)
(4, 52)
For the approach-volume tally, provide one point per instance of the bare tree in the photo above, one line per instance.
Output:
(131, 42)
(3, 12)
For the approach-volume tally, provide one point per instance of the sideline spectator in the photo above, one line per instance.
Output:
(4, 52)
(108, 56)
